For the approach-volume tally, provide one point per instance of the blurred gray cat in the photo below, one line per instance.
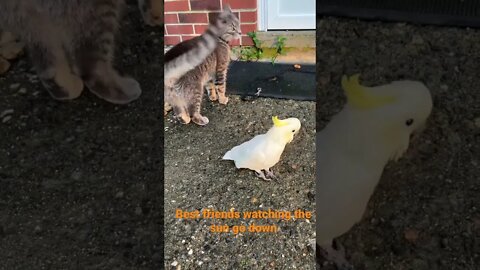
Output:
(71, 43)
(185, 94)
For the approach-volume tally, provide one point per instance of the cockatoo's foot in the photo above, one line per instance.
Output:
(337, 256)
(270, 174)
(262, 175)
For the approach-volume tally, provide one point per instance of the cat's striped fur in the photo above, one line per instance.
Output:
(186, 55)
(71, 43)
(185, 94)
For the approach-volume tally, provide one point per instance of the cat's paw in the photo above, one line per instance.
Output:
(223, 100)
(63, 86)
(184, 118)
(212, 95)
(200, 120)
(166, 108)
(121, 91)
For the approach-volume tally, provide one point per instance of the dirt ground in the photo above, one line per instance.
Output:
(196, 178)
(425, 213)
(80, 181)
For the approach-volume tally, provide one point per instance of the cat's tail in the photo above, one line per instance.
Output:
(187, 61)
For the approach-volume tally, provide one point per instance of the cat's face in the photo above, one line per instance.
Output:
(228, 24)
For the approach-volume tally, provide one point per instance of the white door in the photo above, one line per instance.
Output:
(288, 14)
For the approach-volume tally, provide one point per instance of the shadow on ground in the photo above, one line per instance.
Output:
(425, 212)
(80, 181)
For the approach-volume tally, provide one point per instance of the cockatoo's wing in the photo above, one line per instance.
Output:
(346, 179)
(250, 154)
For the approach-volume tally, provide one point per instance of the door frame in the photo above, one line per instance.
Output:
(262, 15)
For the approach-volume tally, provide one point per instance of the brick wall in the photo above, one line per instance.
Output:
(185, 19)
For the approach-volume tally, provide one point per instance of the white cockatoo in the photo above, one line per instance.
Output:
(263, 151)
(352, 150)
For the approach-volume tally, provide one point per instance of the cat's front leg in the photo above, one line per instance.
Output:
(96, 56)
(51, 64)
(212, 92)
(220, 85)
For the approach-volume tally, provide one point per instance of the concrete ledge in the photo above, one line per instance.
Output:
(297, 39)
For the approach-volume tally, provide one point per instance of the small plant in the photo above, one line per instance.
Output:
(254, 52)
(279, 48)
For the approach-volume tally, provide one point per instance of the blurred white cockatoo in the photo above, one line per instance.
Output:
(263, 151)
(353, 149)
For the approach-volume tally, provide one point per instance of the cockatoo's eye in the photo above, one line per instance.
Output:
(409, 122)
(293, 131)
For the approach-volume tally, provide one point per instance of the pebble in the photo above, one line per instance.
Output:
(22, 91)
(417, 40)
(14, 86)
(119, 195)
(138, 210)
(76, 175)
(37, 229)
(6, 112)
(6, 118)
(174, 263)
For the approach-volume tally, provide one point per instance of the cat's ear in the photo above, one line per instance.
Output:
(226, 8)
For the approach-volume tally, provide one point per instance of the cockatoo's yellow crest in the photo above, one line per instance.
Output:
(279, 123)
(360, 98)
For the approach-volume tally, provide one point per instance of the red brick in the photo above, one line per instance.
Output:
(248, 16)
(245, 28)
(179, 29)
(176, 6)
(235, 42)
(200, 28)
(247, 41)
(187, 37)
(241, 4)
(205, 4)
(171, 40)
(171, 18)
(213, 15)
(193, 17)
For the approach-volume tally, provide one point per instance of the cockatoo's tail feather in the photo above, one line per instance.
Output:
(359, 96)
(228, 156)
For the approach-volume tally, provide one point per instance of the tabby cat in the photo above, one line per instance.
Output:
(185, 94)
(71, 43)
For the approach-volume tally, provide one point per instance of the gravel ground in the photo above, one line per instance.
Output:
(80, 181)
(197, 178)
(425, 213)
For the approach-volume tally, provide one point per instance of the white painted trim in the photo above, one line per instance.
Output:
(262, 15)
